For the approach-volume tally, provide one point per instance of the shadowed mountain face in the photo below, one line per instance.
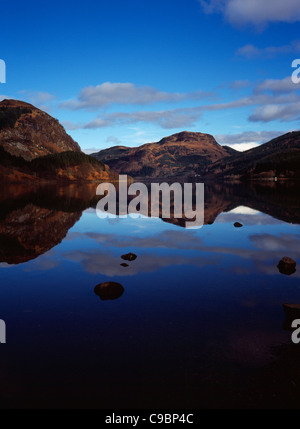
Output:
(34, 220)
(178, 155)
(278, 158)
(28, 132)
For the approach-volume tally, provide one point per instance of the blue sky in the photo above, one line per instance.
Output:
(131, 72)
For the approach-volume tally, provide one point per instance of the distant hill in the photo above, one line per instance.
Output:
(181, 154)
(35, 147)
(197, 154)
(278, 158)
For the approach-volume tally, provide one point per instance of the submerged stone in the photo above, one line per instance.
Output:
(124, 265)
(109, 291)
(292, 312)
(238, 225)
(287, 266)
(129, 257)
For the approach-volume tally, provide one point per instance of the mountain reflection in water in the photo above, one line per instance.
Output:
(195, 321)
(34, 220)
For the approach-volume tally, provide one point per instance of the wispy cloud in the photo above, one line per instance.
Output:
(277, 86)
(280, 93)
(283, 90)
(112, 139)
(6, 97)
(106, 94)
(251, 51)
(272, 112)
(41, 99)
(255, 12)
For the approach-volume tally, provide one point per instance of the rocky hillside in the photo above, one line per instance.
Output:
(278, 158)
(197, 154)
(28, 132)
(60, 167)
(181, 154)
(35, 147)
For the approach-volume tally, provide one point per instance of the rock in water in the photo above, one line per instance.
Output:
(292, 312)
(129, 257)
(109, 291)
(287, 266)
(124, 265)
(238, 225)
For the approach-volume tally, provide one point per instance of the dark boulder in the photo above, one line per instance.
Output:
(109, 291)
(238, 225)
(287, 266)
(129, 257)
(292, 312)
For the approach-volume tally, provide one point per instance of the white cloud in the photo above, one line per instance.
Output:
(272, 112)
(41, 99)
(251, 51)
(112, 139)
(256, 12)
(88, 151)
(266, 93)
(168, 119)
(242, 147)
(277, 86)
(70, 126)
(97, 123)
(248, 139)
(6, 97)
(95, 97)
(283, 104)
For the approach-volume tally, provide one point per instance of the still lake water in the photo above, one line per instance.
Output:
(200, 323)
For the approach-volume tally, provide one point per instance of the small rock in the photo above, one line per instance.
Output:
(292, 312)
(129, 257)
(287, 266)
(124, 265)
(109, 291)
(238, 225)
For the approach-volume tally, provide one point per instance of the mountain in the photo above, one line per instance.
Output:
(35, 147)
(197, 154)
(181, 154)
(278, 158)
(28, 132)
